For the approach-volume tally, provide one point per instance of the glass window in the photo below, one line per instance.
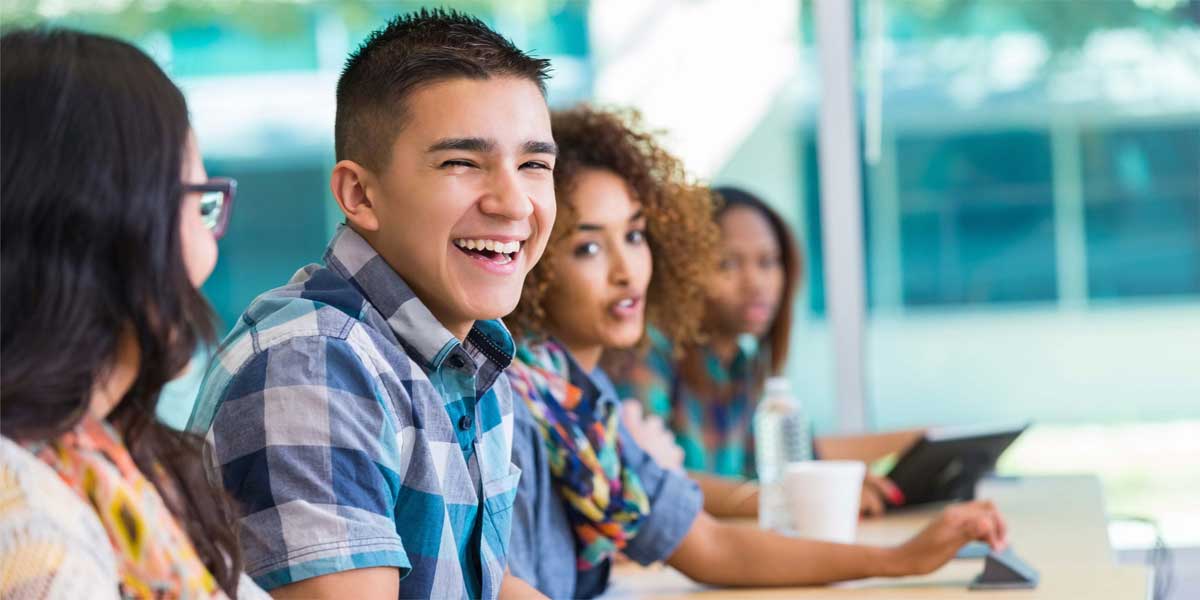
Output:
(976, 217)
(1032, 225)
(1143, 218)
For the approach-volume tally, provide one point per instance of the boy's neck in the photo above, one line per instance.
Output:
(458, 330)
(456, 326)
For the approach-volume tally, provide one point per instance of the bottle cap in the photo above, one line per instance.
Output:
(778, 385)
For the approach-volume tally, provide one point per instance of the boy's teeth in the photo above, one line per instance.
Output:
(490, 245)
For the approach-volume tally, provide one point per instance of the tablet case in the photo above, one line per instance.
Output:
(945, 464)
(1004, 571)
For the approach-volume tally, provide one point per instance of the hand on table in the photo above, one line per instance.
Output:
(935, 545)
(878, 493)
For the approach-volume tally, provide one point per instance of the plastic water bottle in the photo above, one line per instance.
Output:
(780, 437)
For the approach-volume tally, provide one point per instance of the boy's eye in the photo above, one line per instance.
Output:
(456, 162)
(537, 164)
(636, 236)
(727, 264)
(587, 249)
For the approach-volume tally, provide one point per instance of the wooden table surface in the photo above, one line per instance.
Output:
(1056, 524)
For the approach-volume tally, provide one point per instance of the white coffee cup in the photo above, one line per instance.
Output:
(823, 497)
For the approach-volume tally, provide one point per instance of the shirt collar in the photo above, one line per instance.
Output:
(408, 318)
(597, 389)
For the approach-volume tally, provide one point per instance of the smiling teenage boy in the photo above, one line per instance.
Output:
(359, 415)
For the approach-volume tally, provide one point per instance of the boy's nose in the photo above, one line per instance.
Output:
(507, 199)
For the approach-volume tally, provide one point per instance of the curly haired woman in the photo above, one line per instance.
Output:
(633, 243)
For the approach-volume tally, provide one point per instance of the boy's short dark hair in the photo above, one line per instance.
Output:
(411, 50)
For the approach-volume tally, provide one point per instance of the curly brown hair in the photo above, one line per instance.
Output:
(680, 228)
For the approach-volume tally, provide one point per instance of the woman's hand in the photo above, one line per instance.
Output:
(652, 436)
(935, 545)
(877, 494)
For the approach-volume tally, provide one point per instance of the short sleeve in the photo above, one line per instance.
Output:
(675, 501)
(248, 590)
(304, 441)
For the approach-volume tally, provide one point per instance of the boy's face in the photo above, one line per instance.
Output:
(466, 203)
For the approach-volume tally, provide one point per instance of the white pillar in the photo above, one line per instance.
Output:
(841, 207)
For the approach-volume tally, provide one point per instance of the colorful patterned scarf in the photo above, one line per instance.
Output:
(156, 558)
(605, 502)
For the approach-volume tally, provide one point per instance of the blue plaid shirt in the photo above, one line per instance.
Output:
(353, 430)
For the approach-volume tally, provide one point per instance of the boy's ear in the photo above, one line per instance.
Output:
(350, 183)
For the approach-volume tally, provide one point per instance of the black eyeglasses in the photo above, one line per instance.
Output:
(216, 202)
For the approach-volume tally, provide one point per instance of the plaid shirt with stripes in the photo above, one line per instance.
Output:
(353, 430)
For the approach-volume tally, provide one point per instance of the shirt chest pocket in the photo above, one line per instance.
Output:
(499, 495)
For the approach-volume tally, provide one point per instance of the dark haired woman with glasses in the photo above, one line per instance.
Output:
(108, 226)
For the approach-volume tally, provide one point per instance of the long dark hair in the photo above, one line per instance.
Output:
(93, 136)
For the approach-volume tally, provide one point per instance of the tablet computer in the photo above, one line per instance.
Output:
(946, 463)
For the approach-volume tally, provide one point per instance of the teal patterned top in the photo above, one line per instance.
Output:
(711, 417)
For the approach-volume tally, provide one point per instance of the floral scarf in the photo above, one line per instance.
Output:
(156, 558)
(605, 502)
